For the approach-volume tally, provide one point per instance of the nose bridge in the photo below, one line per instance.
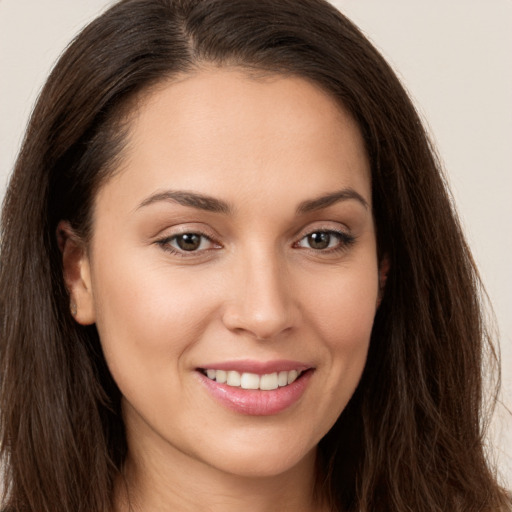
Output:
(261, 305)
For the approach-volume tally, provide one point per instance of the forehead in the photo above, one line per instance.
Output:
(224, 132)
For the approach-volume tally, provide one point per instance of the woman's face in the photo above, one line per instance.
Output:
(236, 241)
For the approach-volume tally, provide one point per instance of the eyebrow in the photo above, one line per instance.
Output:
(330, 199)
(192, 199)
(212, 204)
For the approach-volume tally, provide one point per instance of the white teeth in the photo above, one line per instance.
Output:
(246, 380)
(282, 379)
(268, 381)
(292, 376)
(250, 381)
(234, 379)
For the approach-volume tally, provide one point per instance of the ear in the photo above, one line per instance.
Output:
(77, 274)
(383, 275)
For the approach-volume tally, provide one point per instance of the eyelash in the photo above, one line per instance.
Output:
(165, 244)
(345, 240)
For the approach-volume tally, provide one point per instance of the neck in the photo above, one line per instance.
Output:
(165, 484)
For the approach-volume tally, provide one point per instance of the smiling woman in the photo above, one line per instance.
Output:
(275, 252)
(240, 281)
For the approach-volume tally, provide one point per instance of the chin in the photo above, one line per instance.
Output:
(263, 458)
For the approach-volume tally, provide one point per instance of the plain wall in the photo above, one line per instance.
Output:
(454, 58)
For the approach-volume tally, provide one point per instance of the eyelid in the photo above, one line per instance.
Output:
(314, 227)
(183, 228)
(346, 238)
(163, 241)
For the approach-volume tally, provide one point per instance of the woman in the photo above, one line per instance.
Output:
(231, 275)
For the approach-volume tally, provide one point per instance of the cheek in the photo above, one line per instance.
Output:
(343, 305)
(148, 317)
(342, 314)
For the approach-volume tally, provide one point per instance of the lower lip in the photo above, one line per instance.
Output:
(256, 402)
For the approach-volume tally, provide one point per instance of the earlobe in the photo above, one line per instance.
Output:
(384, 267)
(77, 274)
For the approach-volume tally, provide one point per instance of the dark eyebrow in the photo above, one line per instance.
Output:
(192, 199)
(330, 199)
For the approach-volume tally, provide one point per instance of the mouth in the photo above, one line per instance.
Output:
(256, 389)
(247, 380)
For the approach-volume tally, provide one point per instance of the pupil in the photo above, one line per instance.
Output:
(319, 240)
(189, 241)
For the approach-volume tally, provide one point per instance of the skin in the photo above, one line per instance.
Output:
(255, 289)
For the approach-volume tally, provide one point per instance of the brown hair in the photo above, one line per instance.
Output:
(411, 437)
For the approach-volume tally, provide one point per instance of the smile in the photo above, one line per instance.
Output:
(258, 389)
(246, 380)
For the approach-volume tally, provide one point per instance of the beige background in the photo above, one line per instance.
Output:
(455, 59)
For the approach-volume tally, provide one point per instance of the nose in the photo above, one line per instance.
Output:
(260, 302)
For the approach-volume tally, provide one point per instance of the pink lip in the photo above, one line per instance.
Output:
(258, 367)
(256, 402)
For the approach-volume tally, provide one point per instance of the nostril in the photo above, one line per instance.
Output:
(256, 324)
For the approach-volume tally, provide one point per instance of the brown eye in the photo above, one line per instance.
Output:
(188, 241)
(188, 244)
(328, 240)
(319, 240)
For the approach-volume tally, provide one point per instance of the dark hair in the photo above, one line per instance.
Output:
(411, 438)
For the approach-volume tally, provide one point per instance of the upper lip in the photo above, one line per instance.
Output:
(257, 367)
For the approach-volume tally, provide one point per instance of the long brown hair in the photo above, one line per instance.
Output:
(411, 437)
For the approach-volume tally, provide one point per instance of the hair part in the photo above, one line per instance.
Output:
(411, 437)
